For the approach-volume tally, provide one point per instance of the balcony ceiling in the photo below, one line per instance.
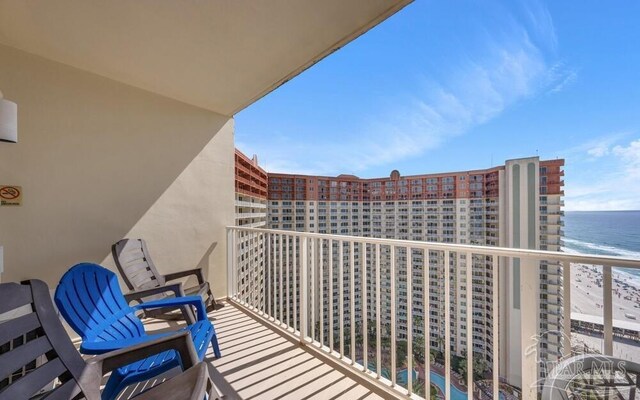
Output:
(220, 55)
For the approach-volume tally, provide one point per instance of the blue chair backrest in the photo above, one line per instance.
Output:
(90, 300)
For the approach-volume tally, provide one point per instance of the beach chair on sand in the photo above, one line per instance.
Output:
(140, 274)
(36, 333)
(89, 298)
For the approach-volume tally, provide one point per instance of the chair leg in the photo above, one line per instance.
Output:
(187, 312)
(212, 299)
(113, 387)
(216, 347)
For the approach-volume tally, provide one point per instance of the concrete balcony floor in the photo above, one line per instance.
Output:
(260, 363)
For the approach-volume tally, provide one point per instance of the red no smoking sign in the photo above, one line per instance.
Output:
(10, 195)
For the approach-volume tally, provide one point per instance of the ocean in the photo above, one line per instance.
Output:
(612, 233)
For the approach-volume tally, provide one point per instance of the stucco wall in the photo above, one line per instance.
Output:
(99, 161)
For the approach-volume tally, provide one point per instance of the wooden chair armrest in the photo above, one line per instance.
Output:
(181, 274)
(177, 290)
(138, 295)
(184, 302)
(180, 342)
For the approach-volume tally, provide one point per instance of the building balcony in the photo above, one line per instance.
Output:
(242, 215)
(291, 307)
(248, 204)
(260, 361)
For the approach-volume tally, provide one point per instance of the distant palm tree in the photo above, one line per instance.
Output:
(418, 349)
(401, 353)
(480, 367)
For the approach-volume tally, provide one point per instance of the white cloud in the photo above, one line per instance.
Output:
(598, 151)
(602, 205)
(511, 66)
(611, 183)
(569, 78)
(594, 149)
(630, 156)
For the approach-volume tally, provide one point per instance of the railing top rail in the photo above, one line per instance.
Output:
(476, 249)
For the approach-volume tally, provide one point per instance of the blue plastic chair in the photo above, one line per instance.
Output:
(90, 300)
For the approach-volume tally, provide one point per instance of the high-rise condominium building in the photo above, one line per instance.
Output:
(518, 204)
(251, 211)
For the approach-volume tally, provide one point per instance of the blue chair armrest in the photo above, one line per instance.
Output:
(195, 301)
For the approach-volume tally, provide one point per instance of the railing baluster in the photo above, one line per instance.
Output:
(352, 299)
(392, 275)
(295, 283)
(252, 276)
(447, 329)
(249, 272)
(254, 272)
(341, 291)
(566, 307)
(231, 265)
(303, 289)
(469, 289)
(236, 271)
(268, 278)
(426, 316)
(238, 275)
(378, 323)
(330, 294)
(281, 292)
(248, 275)
(244, 275)
(313, 288)
(259, 271)
(607, 313)
(409, 269)
(364, 308)
(321, 290)
(495, 313)
(275, 278)
(287, 272)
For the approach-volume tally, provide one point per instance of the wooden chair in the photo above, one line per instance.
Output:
(89, 298)
(76, 378)
(140, 275)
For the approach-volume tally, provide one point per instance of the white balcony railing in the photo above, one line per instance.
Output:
(249, 204)
(334, 292)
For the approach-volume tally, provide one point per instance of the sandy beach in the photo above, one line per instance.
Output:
(586, 292)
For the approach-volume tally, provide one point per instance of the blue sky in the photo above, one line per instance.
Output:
(453, 85)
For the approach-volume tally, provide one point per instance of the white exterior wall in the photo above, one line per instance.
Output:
(99, 161)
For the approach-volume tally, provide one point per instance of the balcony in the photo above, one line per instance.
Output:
(242, 215)
(248, 204)
(262, 363)
(287, 287)
(154, 149)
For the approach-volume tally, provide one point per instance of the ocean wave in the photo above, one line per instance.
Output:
(571, 245)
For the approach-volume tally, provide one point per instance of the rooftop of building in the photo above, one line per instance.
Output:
(395, 174)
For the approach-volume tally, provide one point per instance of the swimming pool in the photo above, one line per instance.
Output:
(456, 394)
(402, 377)
(438, 380)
